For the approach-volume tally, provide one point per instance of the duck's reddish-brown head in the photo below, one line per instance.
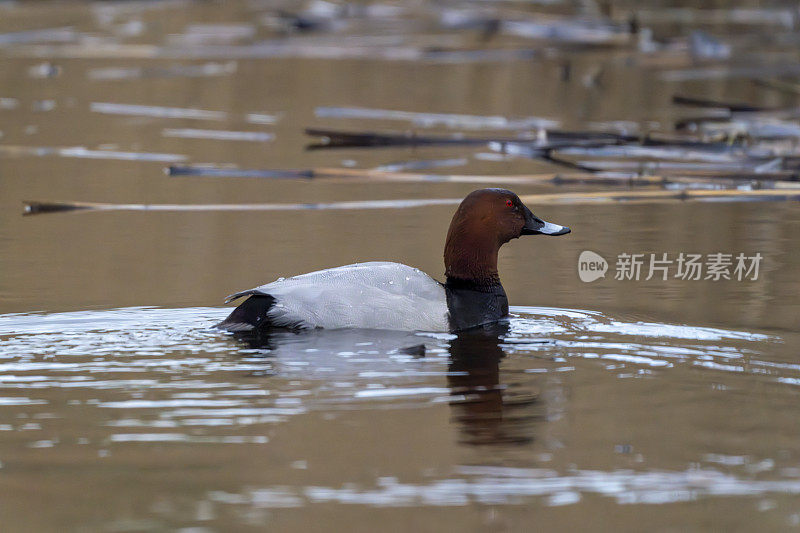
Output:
(483, 222)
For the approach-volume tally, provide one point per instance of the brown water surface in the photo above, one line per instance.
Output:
(611, 405)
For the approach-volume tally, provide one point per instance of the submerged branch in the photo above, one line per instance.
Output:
(547, 139)
(659, 196)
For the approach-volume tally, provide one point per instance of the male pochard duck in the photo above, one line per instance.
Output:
(393, 296)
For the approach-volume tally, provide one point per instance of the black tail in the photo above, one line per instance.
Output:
(250, 315)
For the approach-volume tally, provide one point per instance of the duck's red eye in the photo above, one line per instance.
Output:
(509, 203)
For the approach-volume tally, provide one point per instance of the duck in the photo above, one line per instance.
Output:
(385, 295)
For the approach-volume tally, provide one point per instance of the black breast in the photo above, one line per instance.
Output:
(472, 304)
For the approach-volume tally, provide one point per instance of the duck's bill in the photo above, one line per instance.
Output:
(553, 229)
(536, 226)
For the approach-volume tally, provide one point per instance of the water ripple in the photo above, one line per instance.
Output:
(167, 368)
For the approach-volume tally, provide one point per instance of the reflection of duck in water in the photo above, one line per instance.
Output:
(486, 411)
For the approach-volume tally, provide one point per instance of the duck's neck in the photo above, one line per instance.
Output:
(470, 260)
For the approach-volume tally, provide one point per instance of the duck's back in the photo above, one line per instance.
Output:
(375, 295)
